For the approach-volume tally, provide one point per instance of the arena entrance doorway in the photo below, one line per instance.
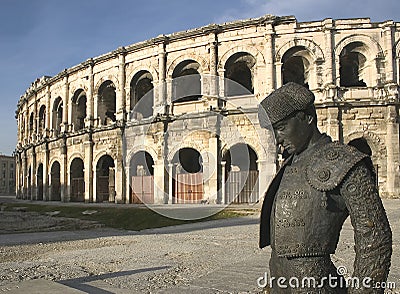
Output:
(241, 175)
(39, 182)
(142, 178)
(105, 179)
(55, 184)
(77, 180)
(188, 184)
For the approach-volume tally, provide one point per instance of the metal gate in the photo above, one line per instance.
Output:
(242, 187)
(40, 189)
(55, 189)
(102, 188)
(106, 187)
(189, 188)
(143, 189)
(78, 189)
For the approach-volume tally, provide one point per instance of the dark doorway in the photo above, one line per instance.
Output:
(39, 180)
(55, 186)
(77, 180)
(142, 178)
(105, 179)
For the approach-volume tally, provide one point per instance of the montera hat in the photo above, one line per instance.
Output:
(285, 101)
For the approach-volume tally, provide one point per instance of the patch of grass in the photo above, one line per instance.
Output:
(127, 218)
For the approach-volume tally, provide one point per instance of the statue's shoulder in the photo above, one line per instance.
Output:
(330, 163)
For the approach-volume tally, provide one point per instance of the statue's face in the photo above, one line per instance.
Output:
(293, 133)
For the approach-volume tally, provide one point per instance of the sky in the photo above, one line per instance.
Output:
(43, 37)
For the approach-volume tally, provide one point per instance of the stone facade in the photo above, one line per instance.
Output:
(83, 137)
(7, 175)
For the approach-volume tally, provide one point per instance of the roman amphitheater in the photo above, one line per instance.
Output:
(174, 119)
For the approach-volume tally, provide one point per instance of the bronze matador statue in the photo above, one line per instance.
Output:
(319, 185)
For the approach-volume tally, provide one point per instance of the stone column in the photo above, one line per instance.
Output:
(26, 122)
(119, 180)
(333, 123)
(269, 58)
(64, 173)
(221, 83)
(169, 92)
(170, 182)
(70, 124)
(393, 153)
(35, 119)
(24, 176)
(128, 178)
(159, 189)
(19, 126)
(48, 111)
(16, 175)
(46, 173)
(90, 96)
(211, 173)
(388, 32)
(120, 95)
(34, 176)
(223, 184)
(213, 46)
(161, 100)
(278, 71)
(64, 127)
(88, 163)
(329, 57)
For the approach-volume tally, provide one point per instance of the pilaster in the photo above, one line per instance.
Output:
(159, 189)
(388, 40)
(120, 95)
(393, 156)
(161, 100)
(90, 95)
(64, 127)
(88, 161)
(269, 58)
(328, 30)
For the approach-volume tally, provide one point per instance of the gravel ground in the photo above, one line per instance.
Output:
(142, 262)
(158, 260)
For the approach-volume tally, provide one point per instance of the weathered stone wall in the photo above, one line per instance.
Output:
(266, 51)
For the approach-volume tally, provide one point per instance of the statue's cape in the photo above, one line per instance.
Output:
(329, 165)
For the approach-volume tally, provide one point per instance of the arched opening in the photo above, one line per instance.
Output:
(142, 178)
(241, 174)
(55, 183)
(79, 109)
(296, 66)
(77, 180)
(188, 180)
(352, 65)
(39, 180)
(42, 120)
(239, 74)
(105, 179)
(142, 86)
(186, 82)
(106, 107)
(57, 115)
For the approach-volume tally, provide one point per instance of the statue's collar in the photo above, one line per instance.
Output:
(324, 139)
